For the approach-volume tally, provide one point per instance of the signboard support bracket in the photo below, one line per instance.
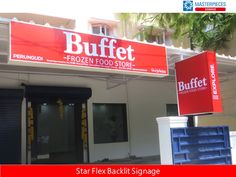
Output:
(112, 84)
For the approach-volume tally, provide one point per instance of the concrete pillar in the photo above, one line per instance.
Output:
(164, 125)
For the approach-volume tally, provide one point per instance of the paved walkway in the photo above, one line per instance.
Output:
(132, 160)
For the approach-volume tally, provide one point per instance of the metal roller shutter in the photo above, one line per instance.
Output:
(10, 125)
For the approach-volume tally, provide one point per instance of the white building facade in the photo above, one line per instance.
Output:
(141, 98)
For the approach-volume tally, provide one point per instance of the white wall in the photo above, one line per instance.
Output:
(100, 94)
(228, 117)
(146, 101)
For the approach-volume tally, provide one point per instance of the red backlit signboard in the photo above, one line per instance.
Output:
(44, 45)
(197, 85)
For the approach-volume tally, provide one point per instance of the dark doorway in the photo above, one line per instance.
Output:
(57, 124)
(57, 133)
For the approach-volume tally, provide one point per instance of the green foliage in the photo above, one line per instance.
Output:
(212, 31)
(208, 31)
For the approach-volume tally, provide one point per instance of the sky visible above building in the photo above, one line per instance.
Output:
(70, 8)
(65, 9)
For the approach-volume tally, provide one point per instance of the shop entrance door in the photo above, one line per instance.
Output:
(57, 124)
(57, 132)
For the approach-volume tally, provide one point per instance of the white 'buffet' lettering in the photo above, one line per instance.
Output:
(194, 83)
(74, 45)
